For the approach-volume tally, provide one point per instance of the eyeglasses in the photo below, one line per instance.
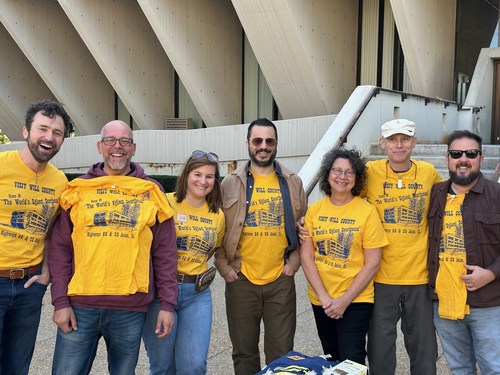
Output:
(271, 142)
(470, 154)
(197, 154)
(111, 141)
(338, 172)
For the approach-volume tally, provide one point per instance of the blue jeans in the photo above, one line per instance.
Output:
(75, 351)
(19, 317)
(475, 337)
(185, 350)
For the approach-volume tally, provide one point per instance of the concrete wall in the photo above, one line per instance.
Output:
(163, 152)
(84, 52)
(480, 93)
(302, 142)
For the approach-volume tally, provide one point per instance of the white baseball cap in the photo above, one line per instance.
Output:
(398, 126)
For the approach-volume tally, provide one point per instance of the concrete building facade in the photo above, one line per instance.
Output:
(160, 64)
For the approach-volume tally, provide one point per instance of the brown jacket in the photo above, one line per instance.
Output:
(481, 235)
(234, 188)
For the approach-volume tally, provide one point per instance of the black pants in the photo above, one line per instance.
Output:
(345, 338)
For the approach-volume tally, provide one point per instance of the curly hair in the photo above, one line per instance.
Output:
(357, 164)
(49, 108)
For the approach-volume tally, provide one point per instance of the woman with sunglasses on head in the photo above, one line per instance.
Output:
(341, 255)
(196, 203)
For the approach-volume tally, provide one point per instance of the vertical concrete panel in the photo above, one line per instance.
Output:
(122, 42)
(369, 39)
(388, 47)
(275, 38)
(328, 30)
(50, 43)
(427, 33)
(204, 43)
(251, 89)
(20, 85)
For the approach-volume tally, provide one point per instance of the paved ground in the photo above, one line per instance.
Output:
(219, 361)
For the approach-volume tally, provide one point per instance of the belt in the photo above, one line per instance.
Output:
(19, 273)
(186, 279)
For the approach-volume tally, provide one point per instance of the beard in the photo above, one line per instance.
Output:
(465, 180)
(117, 165)
(262, 163)
(39, 156)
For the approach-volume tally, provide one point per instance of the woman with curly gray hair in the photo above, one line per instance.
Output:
(341, 255)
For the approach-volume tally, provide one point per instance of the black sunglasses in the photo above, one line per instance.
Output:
(470, 154)
(197, 154)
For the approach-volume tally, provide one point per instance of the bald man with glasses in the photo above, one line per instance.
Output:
(112, 248)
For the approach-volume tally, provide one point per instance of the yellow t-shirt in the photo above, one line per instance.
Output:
(402, 202)
(112, 218)
(198, 232)
(263, 239)
(28, 203)
(450, 287)
(340, 234)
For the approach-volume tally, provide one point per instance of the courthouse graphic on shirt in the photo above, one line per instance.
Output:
(268, 213)
(340, 235)
(401, 199)
(451, 243)
(28, 202)
(199, 231)
(406, 214)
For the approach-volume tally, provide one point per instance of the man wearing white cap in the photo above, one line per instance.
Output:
(400, 190)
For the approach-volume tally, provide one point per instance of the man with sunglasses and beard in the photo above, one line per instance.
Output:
(262, 200)
(29, 199)
(464, 259)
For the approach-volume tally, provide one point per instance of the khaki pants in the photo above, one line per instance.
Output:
(246, 305)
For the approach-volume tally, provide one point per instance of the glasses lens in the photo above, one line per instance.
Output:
(109, 141)
(212, 157)
(257, 141)
(126, 141)
(271, 142)
(197, 154)
(471, 154)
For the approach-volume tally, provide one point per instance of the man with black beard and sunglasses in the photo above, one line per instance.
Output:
(464, 259)
(29, 199)
(262, 200)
